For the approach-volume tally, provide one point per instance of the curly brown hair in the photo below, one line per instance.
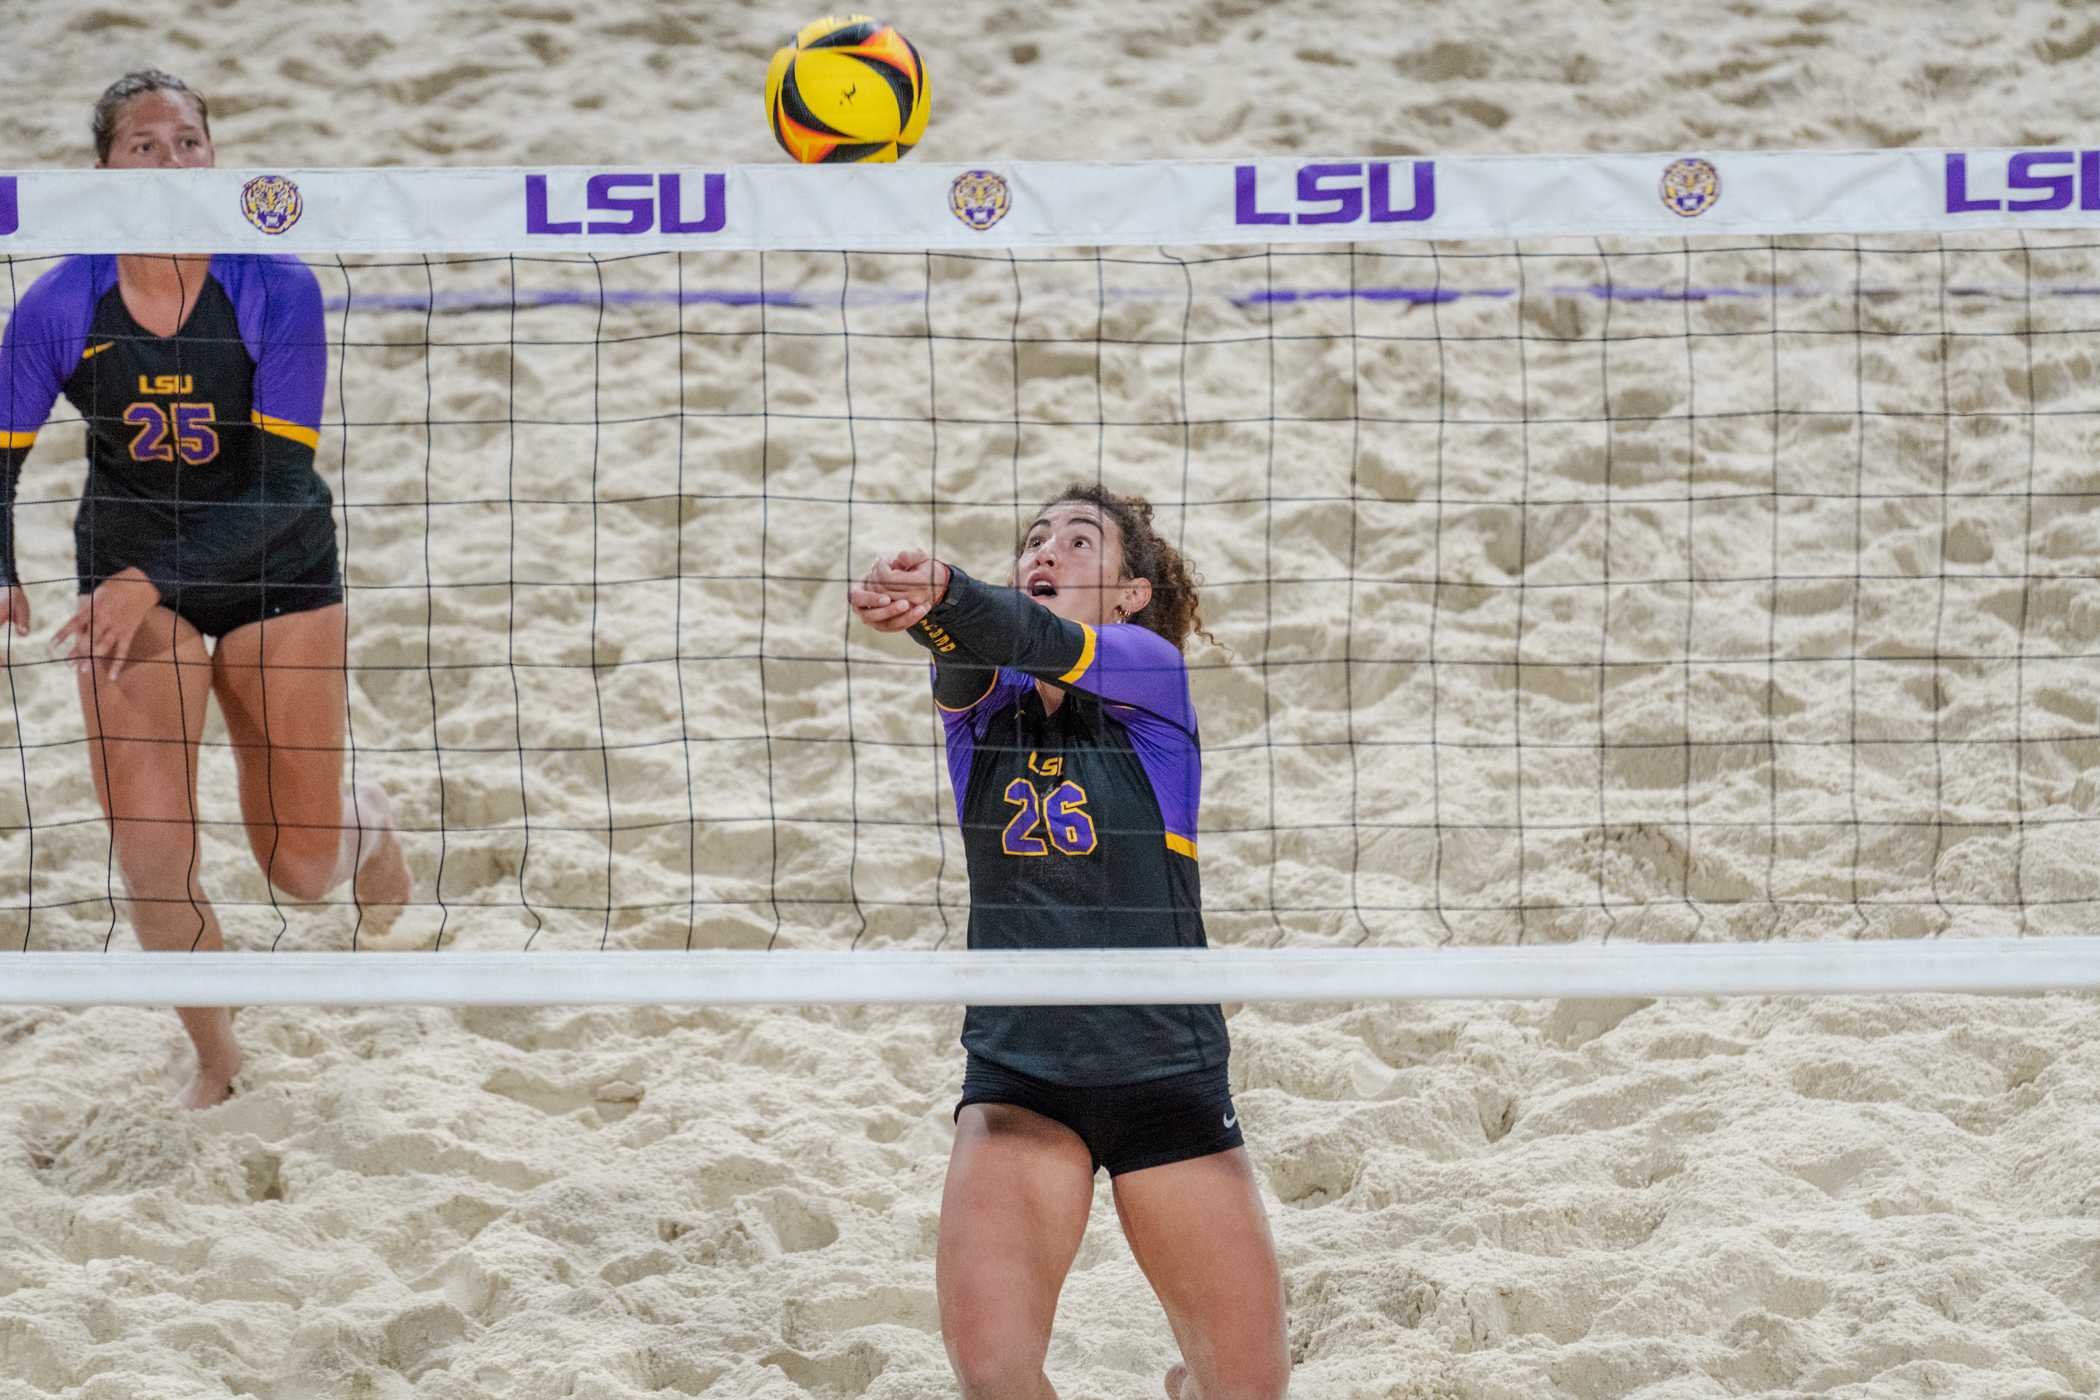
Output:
(1173, 610)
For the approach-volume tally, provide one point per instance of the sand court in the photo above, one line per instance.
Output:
(1505, 659)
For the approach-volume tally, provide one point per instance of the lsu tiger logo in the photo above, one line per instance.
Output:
(271, 203)
(1690, 187)
(980, 198)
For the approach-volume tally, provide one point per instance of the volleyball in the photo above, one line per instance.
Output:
(847, 88)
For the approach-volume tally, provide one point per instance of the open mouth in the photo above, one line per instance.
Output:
(1041, 588)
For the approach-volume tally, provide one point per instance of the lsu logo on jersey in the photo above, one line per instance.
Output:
(272, 203)
(160, 384)
(980, 198)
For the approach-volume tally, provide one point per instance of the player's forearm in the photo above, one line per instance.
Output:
(1121, 665)
(960, 676)
(1002, 627)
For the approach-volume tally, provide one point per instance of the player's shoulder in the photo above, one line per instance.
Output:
(1136, 643)
(272, 274)
(269, 286)
(276, 299)
(69, 285)
(1142, 673)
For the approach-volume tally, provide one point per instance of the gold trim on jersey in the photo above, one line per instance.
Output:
(13, 440)
(285, 428)
(958, 709)
(1181, 845)
(93, 350)
(1086, 657)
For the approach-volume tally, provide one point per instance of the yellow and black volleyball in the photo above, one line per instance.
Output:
(847, 88)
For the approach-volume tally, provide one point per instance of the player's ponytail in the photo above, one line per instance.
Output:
(1173, 611)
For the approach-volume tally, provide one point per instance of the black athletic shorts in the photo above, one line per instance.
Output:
(218, 608)
(1127, 1127)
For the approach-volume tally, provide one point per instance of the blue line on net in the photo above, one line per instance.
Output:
(498, 299)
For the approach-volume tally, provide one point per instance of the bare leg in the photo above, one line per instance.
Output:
(142, 732)
(283, 688)
(1012, 1214)
(1199, 1232)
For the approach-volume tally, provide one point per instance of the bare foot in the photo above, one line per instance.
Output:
(213, 1084)
(1177, 1378)
(381, 885)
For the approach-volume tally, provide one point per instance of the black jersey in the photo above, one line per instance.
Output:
(200, 444)
(1079, 826)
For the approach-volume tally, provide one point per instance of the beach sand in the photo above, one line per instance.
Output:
(1872, 1199)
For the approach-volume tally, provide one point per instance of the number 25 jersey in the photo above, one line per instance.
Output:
(200, 444)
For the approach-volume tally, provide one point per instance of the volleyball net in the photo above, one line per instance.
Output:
(1630, 575)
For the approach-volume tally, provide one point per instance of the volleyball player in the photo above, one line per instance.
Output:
(1072, 749)
(206, 554)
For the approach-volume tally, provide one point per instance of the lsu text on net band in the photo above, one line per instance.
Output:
(1650, 337)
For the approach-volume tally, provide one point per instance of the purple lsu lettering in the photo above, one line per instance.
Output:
(2049, 179)
(10, 212)
(1337, 193)
(646, 202)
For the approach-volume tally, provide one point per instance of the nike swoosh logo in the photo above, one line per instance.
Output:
(93, 350)
(1232, 1120)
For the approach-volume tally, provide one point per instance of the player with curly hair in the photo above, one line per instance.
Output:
(1073, 751)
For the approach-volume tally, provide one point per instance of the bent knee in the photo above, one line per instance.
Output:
(303, 869)
(305, 885)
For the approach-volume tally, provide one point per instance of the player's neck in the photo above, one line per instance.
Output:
(159, 290)
(1052, 696)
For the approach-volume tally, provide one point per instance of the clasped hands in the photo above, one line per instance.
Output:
(898, 591)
